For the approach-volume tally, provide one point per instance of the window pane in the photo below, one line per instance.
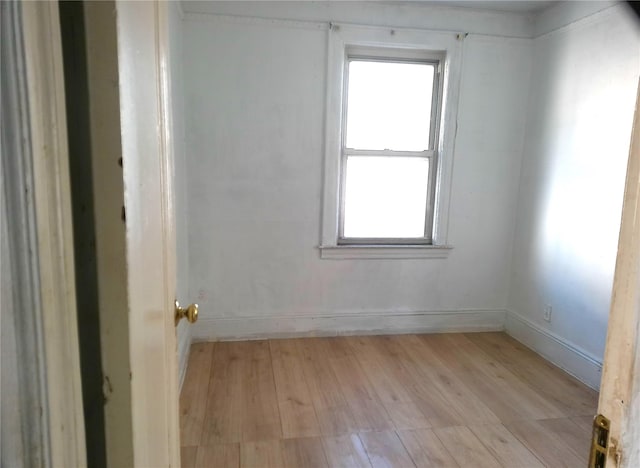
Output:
(385, 197)
(389, 105)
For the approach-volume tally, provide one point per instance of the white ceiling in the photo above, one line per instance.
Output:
(509, 6)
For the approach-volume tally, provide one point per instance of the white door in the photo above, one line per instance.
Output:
(620, 386)
(150, 229)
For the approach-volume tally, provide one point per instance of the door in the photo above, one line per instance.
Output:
(143, 71)
(620, 385)
(132, 174)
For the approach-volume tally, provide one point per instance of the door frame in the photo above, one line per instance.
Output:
(53, 279)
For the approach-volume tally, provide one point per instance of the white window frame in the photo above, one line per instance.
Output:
(351, 40)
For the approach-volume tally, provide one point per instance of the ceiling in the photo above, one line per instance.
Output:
(510, 6)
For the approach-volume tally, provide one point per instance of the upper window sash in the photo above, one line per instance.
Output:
(400, 56)
(394, 52)
(394, 55)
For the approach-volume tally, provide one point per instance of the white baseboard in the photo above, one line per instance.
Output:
(351, 323)
(569, 357)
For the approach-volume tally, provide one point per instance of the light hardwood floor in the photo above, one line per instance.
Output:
(445, 400)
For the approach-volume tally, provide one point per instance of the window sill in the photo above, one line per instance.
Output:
(339, 252)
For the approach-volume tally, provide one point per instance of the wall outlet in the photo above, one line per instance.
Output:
(547, 313)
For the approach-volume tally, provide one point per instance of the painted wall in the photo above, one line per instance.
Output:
(181, 202)
(254, 101)
(584, 82)
(400, 14)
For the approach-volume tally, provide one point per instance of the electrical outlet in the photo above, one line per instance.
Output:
(547, 313)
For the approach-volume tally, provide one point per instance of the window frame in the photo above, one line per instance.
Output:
(409, 43)
(393, 55)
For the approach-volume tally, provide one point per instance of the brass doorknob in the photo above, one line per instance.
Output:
(190, 312)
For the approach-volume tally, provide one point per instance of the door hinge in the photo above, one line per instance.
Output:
(599, 442)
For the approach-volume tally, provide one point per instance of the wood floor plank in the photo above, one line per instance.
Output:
(423, 392)
(466, 405)
(566, 392)
(363, 402)
(545, 445)
(465, 447)
(385, 450)
(436, 408)
(585, 423)
(218, 456)
(406, 415)
(376, 364)
(304, 453)
(336, 420)
(389, 381)
(261, 416)
(188, 457)
(193, 398)
(321, 380)
(223, 415)
(426, 449)
(505, 447)
(503, 392)
(345, 451)
(296, 408)
(575, 437)
(328, 347)
(332, 411)
(261, 454)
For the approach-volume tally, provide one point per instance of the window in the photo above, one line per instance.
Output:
(389, 157)
(389, 145)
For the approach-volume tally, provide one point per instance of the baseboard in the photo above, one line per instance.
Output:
(351, 323)
(569, 357)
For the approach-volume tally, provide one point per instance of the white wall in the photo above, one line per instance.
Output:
(255, 97)
(385, 13)
(584, 84)
(181, 181)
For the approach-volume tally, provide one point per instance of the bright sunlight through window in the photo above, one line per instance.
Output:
(386, 197)
(388, 151)
(389, 106)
